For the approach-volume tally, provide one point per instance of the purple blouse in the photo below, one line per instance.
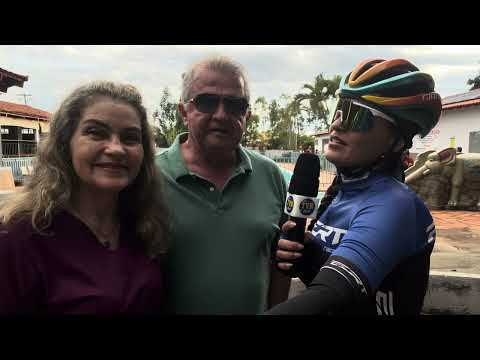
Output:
(70, 272)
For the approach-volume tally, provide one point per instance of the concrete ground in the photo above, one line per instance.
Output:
(454, 286)
(325, 179)
(457, 247)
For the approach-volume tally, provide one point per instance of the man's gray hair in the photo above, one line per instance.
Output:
(221, 64)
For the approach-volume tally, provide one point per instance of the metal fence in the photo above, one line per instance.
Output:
(15, 148)
(284, 157)
(287, 160)
(326, 165)
(292, 156)
(17, 164)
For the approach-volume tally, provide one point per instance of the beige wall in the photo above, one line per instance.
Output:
(26, 123)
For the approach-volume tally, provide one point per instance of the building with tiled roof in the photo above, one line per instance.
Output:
(471, 98)
(24, 111)
(21, 127)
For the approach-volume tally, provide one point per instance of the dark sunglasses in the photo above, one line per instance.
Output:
(356, 116)
(208, 104)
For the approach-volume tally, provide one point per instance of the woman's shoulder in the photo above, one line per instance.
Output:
(16, 234)
(391, 192)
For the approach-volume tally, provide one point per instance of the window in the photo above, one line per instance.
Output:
(474, 142)
(4, 131)
(27, 131)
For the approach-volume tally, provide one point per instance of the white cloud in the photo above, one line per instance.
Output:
(442, 50)
(71, 50)
(442, 71)
(272, 69)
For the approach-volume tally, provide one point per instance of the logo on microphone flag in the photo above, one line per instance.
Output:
(307, 207)
(290, 204)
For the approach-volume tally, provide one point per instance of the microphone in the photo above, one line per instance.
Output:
(302, 202)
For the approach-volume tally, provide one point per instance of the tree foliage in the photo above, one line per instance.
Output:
(317, 96)
(475, 82)
(280, 124)
(167, 120)
(251, 133)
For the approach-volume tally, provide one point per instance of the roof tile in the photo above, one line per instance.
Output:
(23, 110)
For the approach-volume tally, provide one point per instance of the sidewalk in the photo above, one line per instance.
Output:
(457, 219)
(457, 246)
(325, 178)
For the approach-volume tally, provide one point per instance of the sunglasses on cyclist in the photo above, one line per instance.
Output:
(356, 116)
(208, 104)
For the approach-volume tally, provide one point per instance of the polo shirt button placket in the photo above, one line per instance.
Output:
(211, 189)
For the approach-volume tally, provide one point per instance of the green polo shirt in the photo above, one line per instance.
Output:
(219, 257)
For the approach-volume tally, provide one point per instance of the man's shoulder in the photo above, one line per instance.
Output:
(162, 155)
(268, 171)
(164, 161)
(261, 160)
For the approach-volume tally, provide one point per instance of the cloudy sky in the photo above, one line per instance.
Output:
(273, 70)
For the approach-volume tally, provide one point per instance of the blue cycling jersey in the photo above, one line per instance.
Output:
(378, 225)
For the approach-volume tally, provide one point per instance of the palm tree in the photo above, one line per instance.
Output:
(321, 91)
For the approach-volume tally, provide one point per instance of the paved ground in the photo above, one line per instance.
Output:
(326, 177)
(457, 247)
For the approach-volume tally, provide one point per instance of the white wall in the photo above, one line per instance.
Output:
(457, 123)
(318, 142)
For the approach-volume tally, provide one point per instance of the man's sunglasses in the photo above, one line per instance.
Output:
(356, 116)
(208, 104)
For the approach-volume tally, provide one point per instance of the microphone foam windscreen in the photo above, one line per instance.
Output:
(304, 180)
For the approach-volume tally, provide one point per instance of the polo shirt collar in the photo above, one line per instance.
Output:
(178, 167)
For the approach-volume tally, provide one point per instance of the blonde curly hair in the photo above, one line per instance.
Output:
(49, 189)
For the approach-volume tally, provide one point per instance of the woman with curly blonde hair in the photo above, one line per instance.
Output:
(88, 230)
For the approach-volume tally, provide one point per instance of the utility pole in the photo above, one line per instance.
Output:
(24, 97)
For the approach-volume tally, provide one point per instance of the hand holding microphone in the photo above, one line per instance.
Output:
(301, 203)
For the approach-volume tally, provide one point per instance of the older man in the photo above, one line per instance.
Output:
(226, 201)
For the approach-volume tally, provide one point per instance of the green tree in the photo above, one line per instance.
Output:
(279, 126)
(251, 134)
(159, 138)
(263, 140)
(286, 118)
(475, 82)
(260, 108)
(317, 96)
(304, 141)
(256, 124)
(288, 125)
(169, 120)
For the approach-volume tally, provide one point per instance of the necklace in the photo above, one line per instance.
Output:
(107, 238)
